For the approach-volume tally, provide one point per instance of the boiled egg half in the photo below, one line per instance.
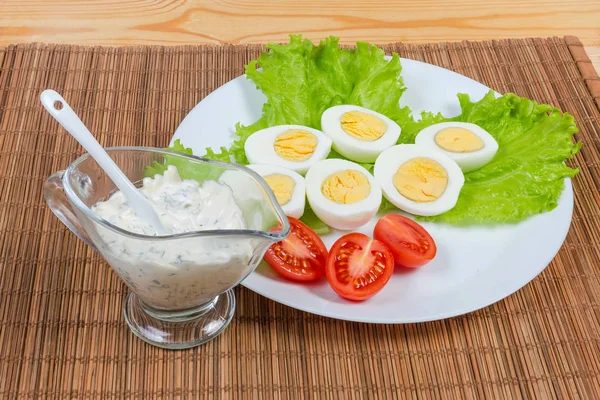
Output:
(468, 144)
(358, 133)
(419, 179)
(342, 194)
(294, 147)
(287, 186)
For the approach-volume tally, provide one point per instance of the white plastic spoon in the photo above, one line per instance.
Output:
(71, 122)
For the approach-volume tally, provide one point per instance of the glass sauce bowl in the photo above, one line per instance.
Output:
(180, 285)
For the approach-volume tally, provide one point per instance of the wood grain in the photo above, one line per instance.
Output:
(125, 22)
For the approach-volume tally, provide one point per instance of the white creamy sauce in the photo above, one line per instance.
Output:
(182, 206)
(177, 273)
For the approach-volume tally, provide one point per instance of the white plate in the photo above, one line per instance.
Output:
(474, 266)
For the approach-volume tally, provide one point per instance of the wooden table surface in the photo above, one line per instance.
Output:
(171, 22)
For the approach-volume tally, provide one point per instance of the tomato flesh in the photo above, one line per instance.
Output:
(301, 256)
(358, 267)
(411, 245)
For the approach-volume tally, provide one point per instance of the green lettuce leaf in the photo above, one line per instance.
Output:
(301, 80)
(159, 168)
(526, 177)
(313, 222)
(186, 169)
(367, 166)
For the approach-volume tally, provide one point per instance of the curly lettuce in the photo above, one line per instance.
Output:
(301, 80)
(186, 169)
(526, 177)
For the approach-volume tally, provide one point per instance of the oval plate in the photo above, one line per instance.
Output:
(474, 266)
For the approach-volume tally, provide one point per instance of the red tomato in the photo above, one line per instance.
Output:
(358, 267)
(410, 243)
(301, 256)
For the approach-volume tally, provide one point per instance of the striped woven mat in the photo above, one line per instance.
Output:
(62, 332)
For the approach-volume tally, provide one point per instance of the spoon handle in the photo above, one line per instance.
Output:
(62, 112)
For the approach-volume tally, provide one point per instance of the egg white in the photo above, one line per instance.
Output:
(390, 160)
(350, 147)
(340, 216)
(294, 207)
(466, 161)
(259, 148)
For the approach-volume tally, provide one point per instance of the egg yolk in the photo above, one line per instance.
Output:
(346, 187)
(363, 126)
(458, 140)
(282, 186)
(295, 145)
(421, 179)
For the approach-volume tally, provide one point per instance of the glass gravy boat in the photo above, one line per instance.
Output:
(180, 285)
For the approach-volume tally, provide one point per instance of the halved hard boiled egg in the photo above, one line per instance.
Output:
(358, 133)
(295, 147)
(419, 179)
(342, 194)
(468, 144)
(287, 186)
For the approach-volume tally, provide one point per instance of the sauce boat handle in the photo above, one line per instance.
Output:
(55, 197)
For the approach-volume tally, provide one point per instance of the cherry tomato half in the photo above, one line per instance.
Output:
(299, 257)
(358, 267)
(410, 243)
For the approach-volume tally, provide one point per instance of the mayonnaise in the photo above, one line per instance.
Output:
(177, 273)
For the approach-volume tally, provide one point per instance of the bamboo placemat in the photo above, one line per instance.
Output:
(62, 332)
